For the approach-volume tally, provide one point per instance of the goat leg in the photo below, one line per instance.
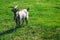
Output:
(26, 21)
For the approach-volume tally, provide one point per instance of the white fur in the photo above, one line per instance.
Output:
(23, 14)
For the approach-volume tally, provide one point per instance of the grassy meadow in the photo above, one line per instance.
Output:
(43, 23)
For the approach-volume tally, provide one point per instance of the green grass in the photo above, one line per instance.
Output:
(44, 20)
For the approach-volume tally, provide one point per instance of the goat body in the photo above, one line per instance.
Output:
(21, 16)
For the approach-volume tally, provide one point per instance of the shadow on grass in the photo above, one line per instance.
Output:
(9, 31)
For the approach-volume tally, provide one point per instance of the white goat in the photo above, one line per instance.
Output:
(20, 15)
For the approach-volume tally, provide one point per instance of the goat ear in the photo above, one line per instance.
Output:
(27, 9)
(16, 6)
(11, 7)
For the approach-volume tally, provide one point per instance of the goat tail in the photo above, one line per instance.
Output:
(27, 9)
